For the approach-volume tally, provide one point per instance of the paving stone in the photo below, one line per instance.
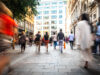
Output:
(52, 63)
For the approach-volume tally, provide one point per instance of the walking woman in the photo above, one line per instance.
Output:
(46, 40)
(84, 38)
(23, 41)
(55, 40)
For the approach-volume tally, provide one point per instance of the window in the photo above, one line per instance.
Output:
(60, 7)
(47, 7)
(40, 12)
(39, 17)
(53, 22)
(53, 17)
(61, 3)
(94, 16)
(38, 23)
(47, 3)
(60, 16)
(53, 27)
(46, 12)
(39, 28)
(60, 11)
(54, 7)
(60, 22)
(54, 3)
(41, 4)
(39, 8)
(46, 17)
(46, 23)
(54, 11)
(45, 27)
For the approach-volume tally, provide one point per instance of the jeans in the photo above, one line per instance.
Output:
(71, 44)
(61, 45)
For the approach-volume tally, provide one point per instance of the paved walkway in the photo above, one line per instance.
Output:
(52, 63)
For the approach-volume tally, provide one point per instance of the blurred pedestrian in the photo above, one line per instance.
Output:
(7, 31)
(38, 40)
(55, 40)
(51, 40)
(46, 40)
(84, 38)
(30, 40)
(71, 40)
(60, 38)
(23, 41)
(67, 39)
(97, 44)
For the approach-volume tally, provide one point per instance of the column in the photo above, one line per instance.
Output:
(98, 10)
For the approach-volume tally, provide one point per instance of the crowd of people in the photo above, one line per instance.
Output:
(38, 40)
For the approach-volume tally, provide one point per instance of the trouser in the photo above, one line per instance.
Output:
(96, 46)
(55, 44)
(61, 45)
(38, 43)
(23, 46)
(71, 44)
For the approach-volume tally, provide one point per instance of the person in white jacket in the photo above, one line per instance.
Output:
(84, 38)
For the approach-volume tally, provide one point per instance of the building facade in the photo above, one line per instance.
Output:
(26, 25)
(76, 7)
(51, 16)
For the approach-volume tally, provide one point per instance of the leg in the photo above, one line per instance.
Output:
(86, 64)
(39, 46)
(47, 47)
(96, 45)
(24, 46)
(21, 47)
(72, 44)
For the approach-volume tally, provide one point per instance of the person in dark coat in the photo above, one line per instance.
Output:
(23, 41)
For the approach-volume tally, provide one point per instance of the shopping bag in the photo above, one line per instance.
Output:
(64, 45)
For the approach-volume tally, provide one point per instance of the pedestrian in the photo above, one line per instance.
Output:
(46, 40)
(38, 40)
(84, 38)
(55, 40)
(67, 39)
(71, 40)
(51, 40)
(60, 38)
(8, 29)
(30, 40)
(97, 44)
(23, 41)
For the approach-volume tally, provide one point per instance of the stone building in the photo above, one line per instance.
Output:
(76, 7)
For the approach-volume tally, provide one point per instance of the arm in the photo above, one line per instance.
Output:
(77, 36)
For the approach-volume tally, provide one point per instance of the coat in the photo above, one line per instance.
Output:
(83, 35)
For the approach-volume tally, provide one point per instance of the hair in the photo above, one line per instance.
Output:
(85, 16)
(60, 30)
(71, 32)
(54, 33)
(38, 31)
(99, 19)
(46, 33)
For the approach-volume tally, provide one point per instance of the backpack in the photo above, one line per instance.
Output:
(22, 39)
(46, 37)
(37, 37)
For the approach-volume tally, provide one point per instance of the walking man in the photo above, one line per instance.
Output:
(38, 40)
(60, 38)
(71, 40)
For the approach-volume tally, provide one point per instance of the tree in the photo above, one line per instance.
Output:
(20, 8)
